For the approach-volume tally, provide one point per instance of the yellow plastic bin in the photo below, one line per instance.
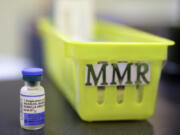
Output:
(114, 78)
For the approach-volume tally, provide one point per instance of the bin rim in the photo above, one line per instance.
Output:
(45, 26)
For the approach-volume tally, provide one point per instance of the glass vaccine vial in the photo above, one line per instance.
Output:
(32, 100)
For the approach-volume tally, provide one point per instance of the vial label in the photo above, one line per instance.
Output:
(32, 110)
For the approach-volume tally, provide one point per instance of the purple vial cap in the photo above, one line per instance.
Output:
(32, 71)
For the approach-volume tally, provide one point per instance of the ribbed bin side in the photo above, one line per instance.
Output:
(137, 102)
(60, 68)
